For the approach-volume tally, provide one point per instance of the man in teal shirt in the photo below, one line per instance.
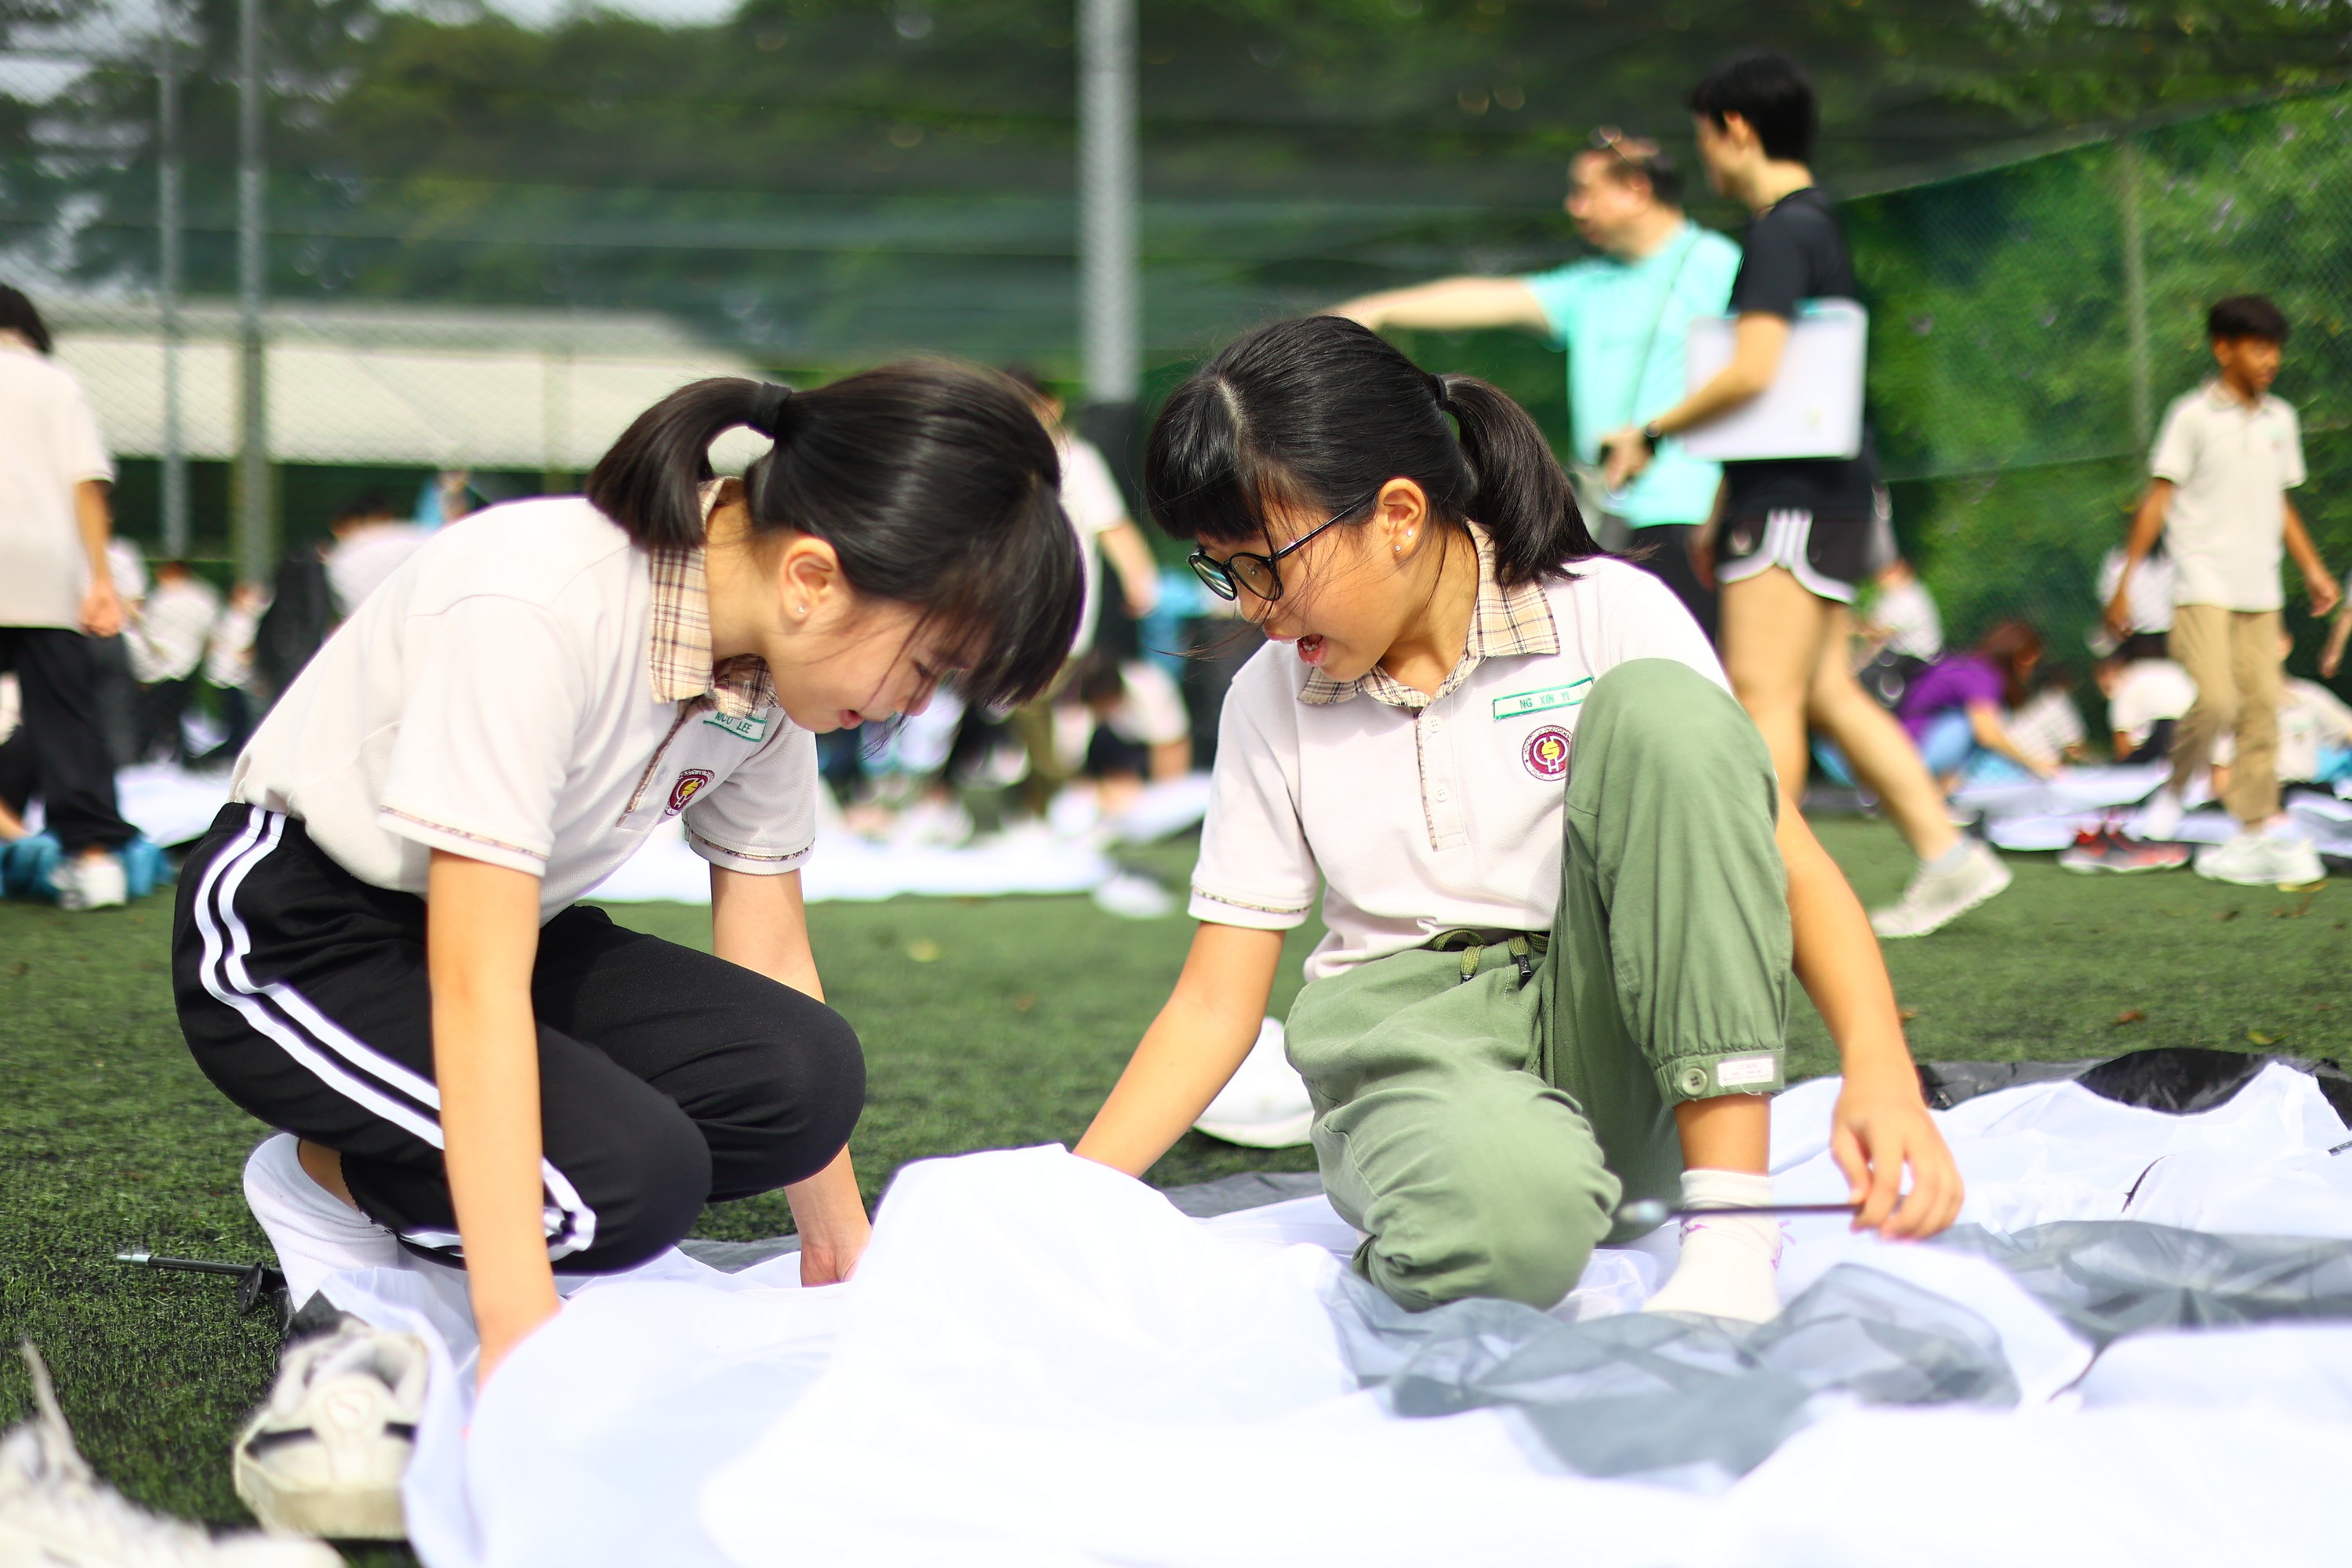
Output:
(1623, 317)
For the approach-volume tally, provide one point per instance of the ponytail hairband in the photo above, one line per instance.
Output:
(1437, 390)
(767, 415)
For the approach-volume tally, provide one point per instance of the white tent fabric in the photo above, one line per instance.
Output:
(1042, 1362)
(2042, 816)
(171, 806)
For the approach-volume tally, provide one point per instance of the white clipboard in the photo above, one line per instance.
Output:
(1814, 407)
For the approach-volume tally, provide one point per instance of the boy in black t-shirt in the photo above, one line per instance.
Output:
(1790, 538)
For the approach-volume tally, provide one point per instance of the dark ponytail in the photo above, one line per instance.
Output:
(934, 483)
(1318, 413)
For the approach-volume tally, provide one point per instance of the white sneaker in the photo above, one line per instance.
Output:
(325, 1454)
(2261, 861)
(56, 1513)
(1936, 898)
(315, 1234)
(2160, 819)
(2299, 862)
(91, 882)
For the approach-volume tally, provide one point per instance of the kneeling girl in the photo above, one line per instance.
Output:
(378, 947)
(1563, 888)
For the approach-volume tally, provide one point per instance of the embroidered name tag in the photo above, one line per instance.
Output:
(1732, 1071)
(1524, 702)
(751, 727)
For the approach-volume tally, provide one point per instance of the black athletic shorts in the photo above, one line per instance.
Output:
(1830, 555)
(667, 1076)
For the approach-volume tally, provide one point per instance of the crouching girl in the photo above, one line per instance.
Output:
(379, 947)
(1563, 888)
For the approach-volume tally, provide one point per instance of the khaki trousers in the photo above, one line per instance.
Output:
(2233, 658)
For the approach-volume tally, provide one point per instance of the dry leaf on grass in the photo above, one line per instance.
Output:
(2128, 1016)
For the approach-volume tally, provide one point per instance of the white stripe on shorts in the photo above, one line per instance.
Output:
(353, 1069)
(1787, 533)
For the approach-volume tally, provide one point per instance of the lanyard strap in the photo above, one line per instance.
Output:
(1650, 344)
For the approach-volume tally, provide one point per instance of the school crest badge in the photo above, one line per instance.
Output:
(690, 782)
(1546, 753)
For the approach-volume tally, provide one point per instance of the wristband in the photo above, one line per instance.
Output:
(1649, 437)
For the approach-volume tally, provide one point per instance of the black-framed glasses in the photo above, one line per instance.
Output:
(1258, 573)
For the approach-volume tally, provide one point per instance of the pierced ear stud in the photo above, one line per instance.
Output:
(800, 609)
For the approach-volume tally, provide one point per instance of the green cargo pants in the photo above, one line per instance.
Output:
(1480, 1112)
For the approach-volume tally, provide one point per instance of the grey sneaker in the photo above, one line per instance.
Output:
(1936, 898)
(56, 1513)
(327, 1453)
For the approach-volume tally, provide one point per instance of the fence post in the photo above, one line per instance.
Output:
(2134, 236)
(1109, 313)
(254, 544)
(167, 267)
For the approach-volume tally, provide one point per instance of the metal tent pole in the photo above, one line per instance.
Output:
(167, 244)
(1110, 298)
(256, 545)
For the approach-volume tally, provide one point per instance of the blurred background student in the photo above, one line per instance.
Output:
(2147, 695)
(1108, 536)
(1624, 318)
(56, 592)
(1960, 706)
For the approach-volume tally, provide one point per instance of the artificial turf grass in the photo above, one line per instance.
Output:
(987, 1022)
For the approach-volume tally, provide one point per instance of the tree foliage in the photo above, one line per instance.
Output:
(842, 177)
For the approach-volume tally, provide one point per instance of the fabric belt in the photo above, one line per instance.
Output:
(1526, 947)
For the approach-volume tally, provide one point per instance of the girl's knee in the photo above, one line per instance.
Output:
(1507, 1225)
(800, 1112)
(636, 1199)
(1512, 1256)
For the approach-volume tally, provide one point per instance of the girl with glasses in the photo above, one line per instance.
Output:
(1562, 889)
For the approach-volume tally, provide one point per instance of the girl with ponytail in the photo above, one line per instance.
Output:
(1562, 890)
(379, 947)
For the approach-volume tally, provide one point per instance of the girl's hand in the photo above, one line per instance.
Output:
(501, 1335)
(832, 1259)
(830, 1214)
(1881, 1125)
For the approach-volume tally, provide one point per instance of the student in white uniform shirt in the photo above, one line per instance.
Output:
(169, 632)
(2227, 455)
(58, 604)
(516, 1080)
(1563, 887)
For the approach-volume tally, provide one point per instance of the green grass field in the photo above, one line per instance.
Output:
(987, 1022)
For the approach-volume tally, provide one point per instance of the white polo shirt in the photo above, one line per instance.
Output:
(49, 445)
(1090, 500)
(1422, 815)
(2232, 465)
(501, 696)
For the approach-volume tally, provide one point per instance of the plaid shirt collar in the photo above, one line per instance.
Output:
(677, 655)
(1507, 622)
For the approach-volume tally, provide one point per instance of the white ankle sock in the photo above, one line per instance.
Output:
(1728, 1263)
(315, 1232)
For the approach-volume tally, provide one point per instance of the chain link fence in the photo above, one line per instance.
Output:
(2031, 322)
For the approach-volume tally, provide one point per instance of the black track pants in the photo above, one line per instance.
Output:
(72, 769)
(667, 1078)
